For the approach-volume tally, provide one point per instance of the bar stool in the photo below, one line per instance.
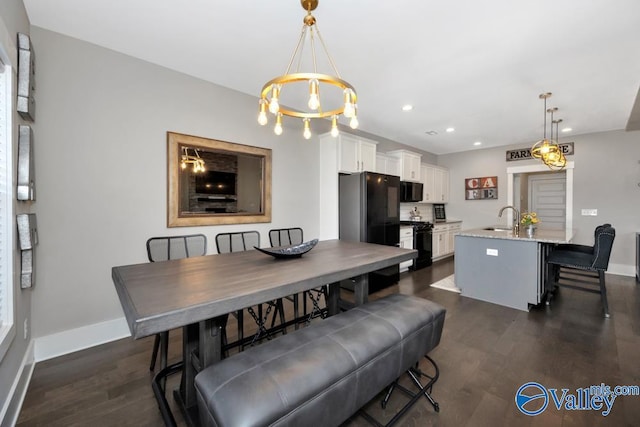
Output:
(163, 249)
(578, 264)
(294, 236)
(243, 241)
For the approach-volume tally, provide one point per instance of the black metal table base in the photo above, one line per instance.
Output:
(423, 390)
(190, 411)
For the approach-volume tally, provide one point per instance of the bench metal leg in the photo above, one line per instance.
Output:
(423, 390)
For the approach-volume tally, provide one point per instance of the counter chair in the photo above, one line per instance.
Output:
(163, 249)
(577, 264)
(244, 241)
(295, 236)
(582, 248)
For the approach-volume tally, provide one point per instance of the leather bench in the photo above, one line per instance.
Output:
(322, 374)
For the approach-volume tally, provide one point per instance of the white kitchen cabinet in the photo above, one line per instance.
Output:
(444, 239)
(409, 164)
(387, 165)
(441, 185)
(356, 154)
(427, 172)
(393, 166)
(435, 182)
(451, 233)
(439, 241)
(406, 242)
(381, 163)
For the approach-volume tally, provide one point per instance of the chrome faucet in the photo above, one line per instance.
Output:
(516, 219)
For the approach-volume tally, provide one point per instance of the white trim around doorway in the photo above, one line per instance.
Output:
(514, 170)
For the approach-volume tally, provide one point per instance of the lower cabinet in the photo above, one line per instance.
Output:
(406, 241)
(444, 239)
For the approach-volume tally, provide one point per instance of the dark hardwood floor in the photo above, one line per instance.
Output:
(487, 352)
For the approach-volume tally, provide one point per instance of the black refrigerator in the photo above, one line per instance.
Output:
(369, 206)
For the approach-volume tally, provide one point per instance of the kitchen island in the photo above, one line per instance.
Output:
(504, 268)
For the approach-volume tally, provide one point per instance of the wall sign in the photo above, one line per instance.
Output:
(481, 188)
(525, 153)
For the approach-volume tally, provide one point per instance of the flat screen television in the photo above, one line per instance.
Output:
(213, 182)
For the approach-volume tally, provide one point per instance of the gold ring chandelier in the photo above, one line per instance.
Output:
(272, 91)
(548, 150)
(195, 160)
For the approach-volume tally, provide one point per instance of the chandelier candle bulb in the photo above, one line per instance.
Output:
(314, 99)
(262, 116)
(349, 108)
(307, 129)
(334, 126)
(278, 127)
(274, 105)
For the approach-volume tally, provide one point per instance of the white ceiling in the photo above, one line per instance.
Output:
(477, 66)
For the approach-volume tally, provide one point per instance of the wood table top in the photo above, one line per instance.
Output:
(160, 296)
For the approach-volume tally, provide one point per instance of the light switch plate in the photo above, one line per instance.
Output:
(589, 212)
(492, 252)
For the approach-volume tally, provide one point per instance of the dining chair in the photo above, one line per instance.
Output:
(244, 241)
(578, 265)
(295, 236)
(166, 248)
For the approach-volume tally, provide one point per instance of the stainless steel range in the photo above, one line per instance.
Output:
(422, 242)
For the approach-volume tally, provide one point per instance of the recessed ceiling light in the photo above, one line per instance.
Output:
(450, 129)
(477, 143)
(431, 132)
(567, 130)
(407, 107)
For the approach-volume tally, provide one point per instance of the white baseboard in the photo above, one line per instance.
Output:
(65, 342)
(11, 409)
(622, 269)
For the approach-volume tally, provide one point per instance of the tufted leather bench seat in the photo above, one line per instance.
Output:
(322, 374)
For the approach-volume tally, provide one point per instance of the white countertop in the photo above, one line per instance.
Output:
(541, 235)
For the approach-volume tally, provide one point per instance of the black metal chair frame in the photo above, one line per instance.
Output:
(285, 237)
(161, 341)
(261, 316)
(591, 276)
(425, 390)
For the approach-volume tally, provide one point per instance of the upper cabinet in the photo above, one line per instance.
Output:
(409, 164)
(387, 165)
(441, 185)
(436, 184)
(356, 154)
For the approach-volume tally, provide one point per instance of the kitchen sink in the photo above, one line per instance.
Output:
(498, 228)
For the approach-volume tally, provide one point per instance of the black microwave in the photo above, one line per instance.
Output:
(410, 192)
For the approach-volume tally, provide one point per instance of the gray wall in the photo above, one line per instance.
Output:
(606, 177)
(14, 20)
(101, 169)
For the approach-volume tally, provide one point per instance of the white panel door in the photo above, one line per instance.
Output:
(547, 198)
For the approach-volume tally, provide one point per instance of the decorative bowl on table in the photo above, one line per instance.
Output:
(292, 251)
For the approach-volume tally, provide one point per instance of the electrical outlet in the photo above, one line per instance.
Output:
(589, 212)
(492, 252)
(26, 328)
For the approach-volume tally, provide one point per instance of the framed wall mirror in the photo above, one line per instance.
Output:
(212, 182)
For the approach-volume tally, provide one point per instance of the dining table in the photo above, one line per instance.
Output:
(197, 294)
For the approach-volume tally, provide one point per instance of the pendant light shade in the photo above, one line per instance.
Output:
(544, 147)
